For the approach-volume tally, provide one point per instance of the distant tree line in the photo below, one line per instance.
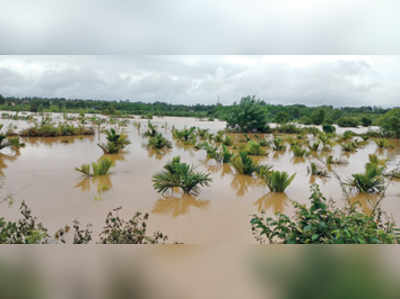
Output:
(263, 112)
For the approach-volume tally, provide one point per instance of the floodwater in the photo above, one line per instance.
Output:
(42, 174)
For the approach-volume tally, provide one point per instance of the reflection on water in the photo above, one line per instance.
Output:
(226, 169)
(102, 184)
(114, 157)
(366, 201)
(277, 201)
(4, 158)
(157, 153)
(175, 206)
(50, 141)
(241, 183)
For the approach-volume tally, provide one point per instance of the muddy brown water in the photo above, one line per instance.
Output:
(42, 174)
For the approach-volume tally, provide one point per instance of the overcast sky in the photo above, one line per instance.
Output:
(306, 79)
(138, 38)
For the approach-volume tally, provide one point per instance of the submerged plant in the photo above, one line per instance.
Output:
(159, 142)
(254, 148)
(151, 130)
(298, 151)
(187, 136)
(277, 144)
(371, 181)
(316, 170)
(100, 168)
(180, 175)
(115, 142)
(277, 181)
(243, 163)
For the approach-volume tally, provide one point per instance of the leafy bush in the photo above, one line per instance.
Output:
(323, 223)
(227, 141)
(25, 231)
(244, 164)
(382, 143)
(248, 116)
(277, 181)
(115, 142)
(13, 142)
(181, 175)
(390, 123)
(329, 129)
(119, 231)
(366, 121)
(100, 168)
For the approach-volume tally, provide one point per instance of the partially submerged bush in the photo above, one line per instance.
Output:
(46, 129)
(180, 175)
(187, 136)
(277, 181)
(254, 148)
(115, 142)
(317, 170)
(298, 151)
(371, 181)
(277, 144)
(159, 142)
(100, 168)
(323, 223)
(244, 164)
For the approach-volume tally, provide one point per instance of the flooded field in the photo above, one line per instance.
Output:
(42, 174)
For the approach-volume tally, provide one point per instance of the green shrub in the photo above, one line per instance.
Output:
(323, 223)
(187, 136)
(329, 129)
(390, 123)
(248, 116)
(49, 130)
(298, 151)
(277, 144)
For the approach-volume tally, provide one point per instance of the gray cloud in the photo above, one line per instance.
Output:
(312, 80)
(199, 27)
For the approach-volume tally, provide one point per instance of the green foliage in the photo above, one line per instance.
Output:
(115, 142)
(323, 223)
(277, 181)
(158, 141)
(226, 154)
(180, 175)
(151, 130)
(366, 121)
(298, 151)
(371, 181)
(277, 144)
(187, 136)
(26, 230)
(348, 122)
(254, 148)
(227, 141)
(316, 170)
(328, 128)
(349, 147)
(13, 142)
(318, 117)
(248, 116)
(390, 123)
(382, 143)
(100, 168)
(46, 129)
(244, 164)
(133, 231)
